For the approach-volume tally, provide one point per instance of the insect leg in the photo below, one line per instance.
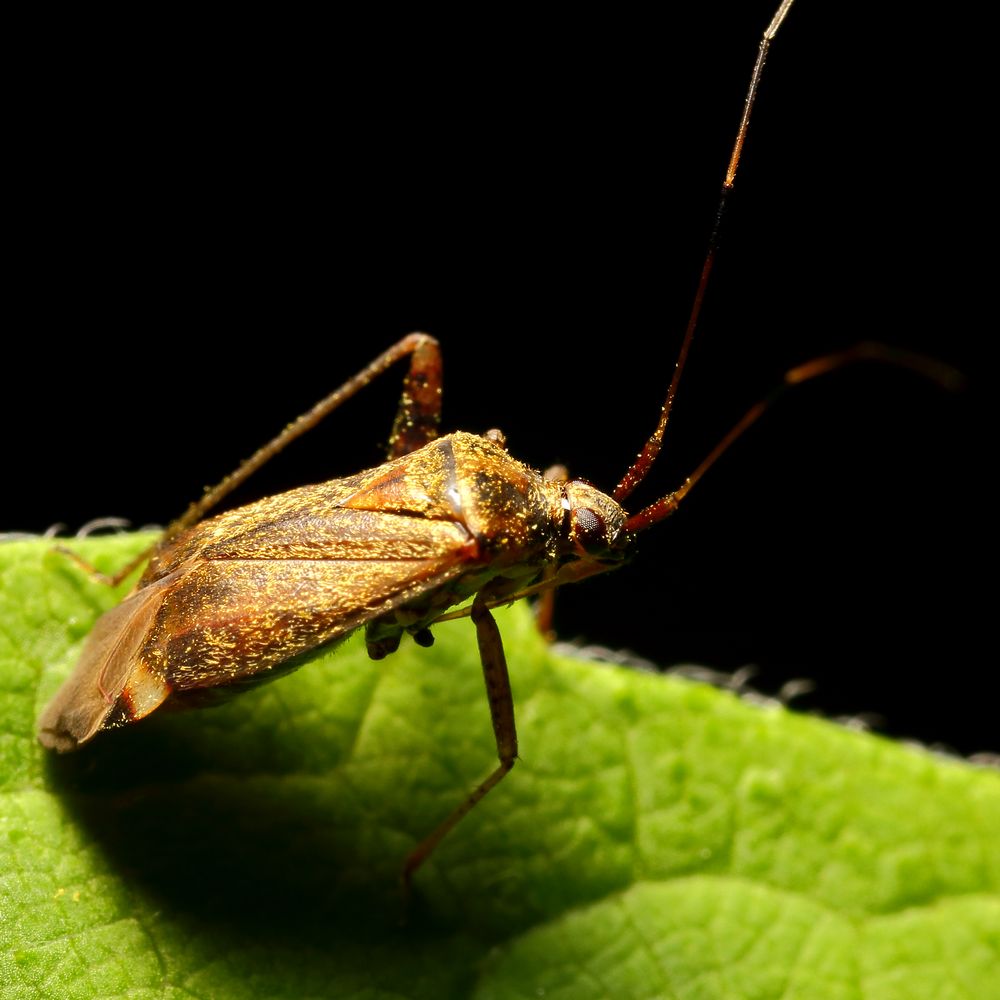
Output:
(545, 609)
(419, 413)
(426, 360)
(113, 579)
(416, 423)
(501, 713)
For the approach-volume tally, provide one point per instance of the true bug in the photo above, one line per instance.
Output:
(143, 616)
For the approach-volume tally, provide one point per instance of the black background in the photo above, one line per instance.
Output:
(203, 253)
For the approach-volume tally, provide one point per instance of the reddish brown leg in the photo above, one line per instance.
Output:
(416, 423)
(115, 578)
(419, 415)
(502, 715)
(545, 609)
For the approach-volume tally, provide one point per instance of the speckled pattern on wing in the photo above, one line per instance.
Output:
(234, 598)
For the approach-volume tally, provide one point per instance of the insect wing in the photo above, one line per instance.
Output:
(108, 669)
(233, 621)
(292, 581)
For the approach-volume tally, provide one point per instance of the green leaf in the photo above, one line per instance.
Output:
(659, 838)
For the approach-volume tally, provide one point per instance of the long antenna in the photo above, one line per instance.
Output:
(945, 376)
(641, 466)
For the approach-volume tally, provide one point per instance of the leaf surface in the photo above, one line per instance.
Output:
(658, 838)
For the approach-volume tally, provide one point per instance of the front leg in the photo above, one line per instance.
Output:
(502, 715)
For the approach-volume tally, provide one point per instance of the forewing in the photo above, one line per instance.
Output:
(254, 590)
(403, 509)
(108, 666)
(235, 621)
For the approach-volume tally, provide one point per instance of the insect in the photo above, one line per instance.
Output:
(237, 598)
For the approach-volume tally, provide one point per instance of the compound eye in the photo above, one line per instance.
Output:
(589, 531)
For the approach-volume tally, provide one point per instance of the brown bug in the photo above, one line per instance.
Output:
(241, 597)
